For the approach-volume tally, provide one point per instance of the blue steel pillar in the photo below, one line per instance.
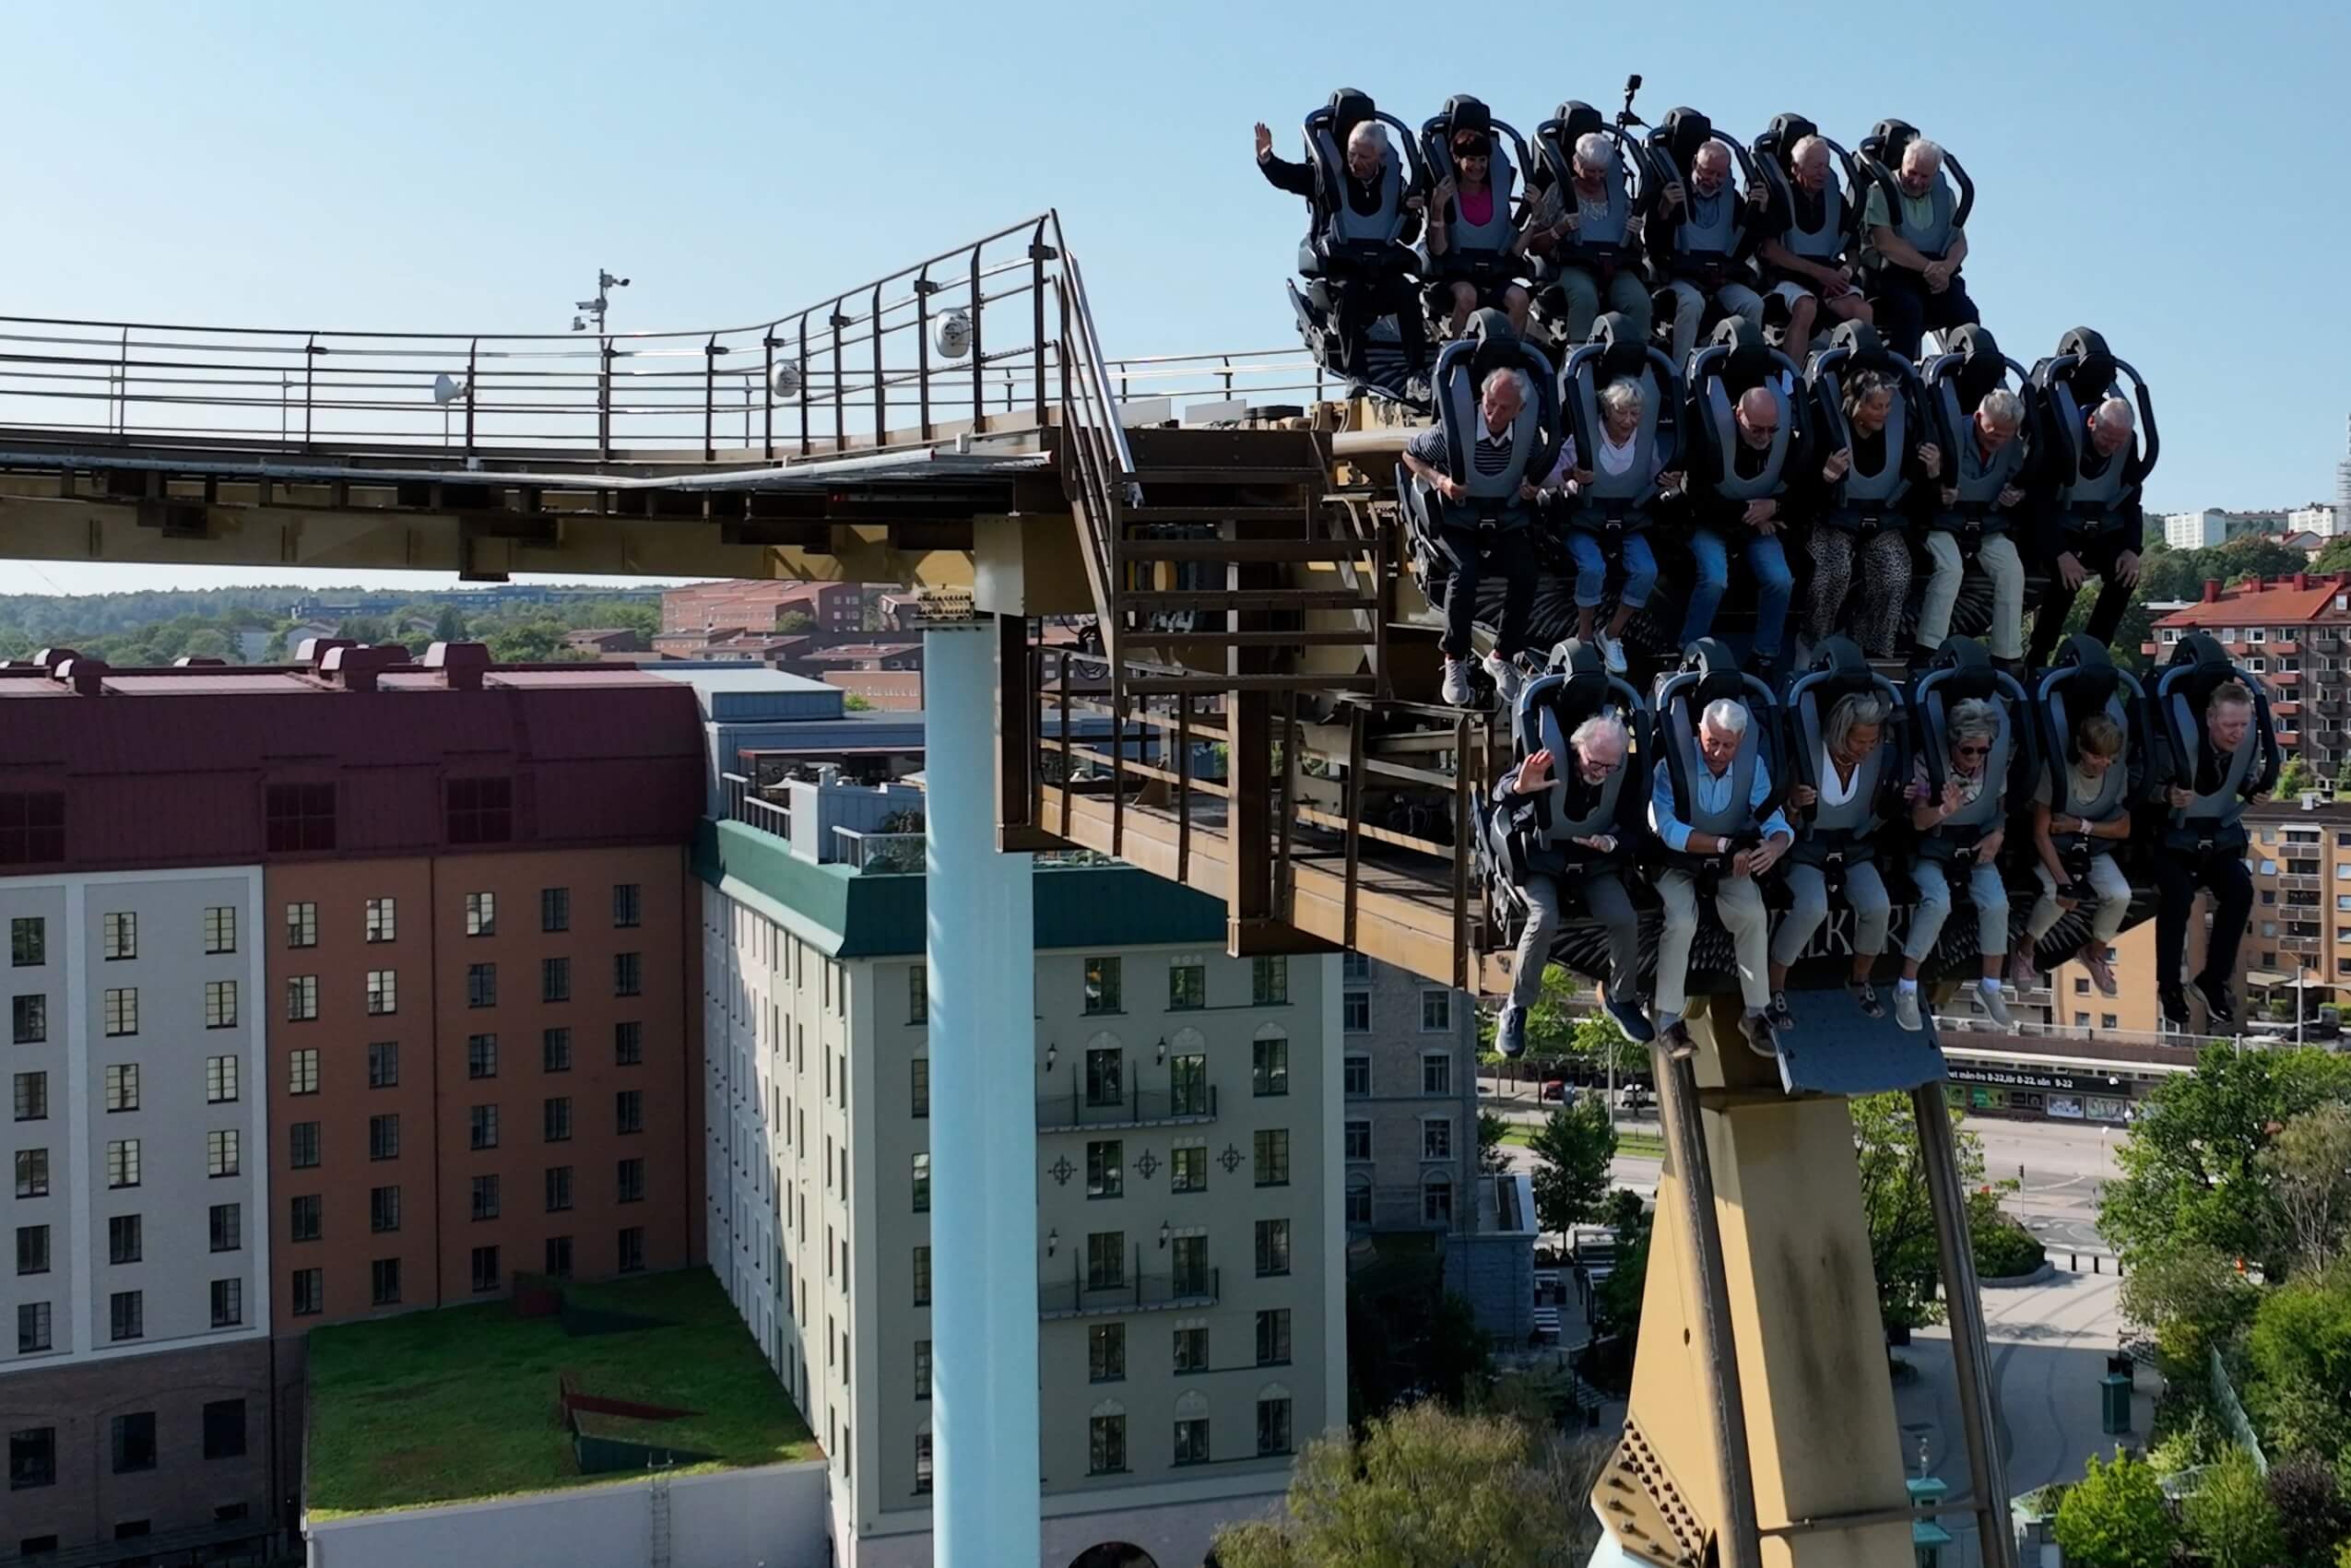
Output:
(981, 945)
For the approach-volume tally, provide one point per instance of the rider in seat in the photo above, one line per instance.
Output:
(1914, 226)
(1807, 229)
(1475, 475)
(1970, 748)
(1565, 826)
(1622, 406)
(1473, 253)
(1847, 768)
(1701, 231)
(1714, 808)
(2088, 712)
(2216, 749)
(2091, 484)
(1980, 431)
(1748, 440)
(1364, 192)
(1881, 454)
(1583, 233)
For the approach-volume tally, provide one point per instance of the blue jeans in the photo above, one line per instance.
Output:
(1774, 586)
(1592, 571)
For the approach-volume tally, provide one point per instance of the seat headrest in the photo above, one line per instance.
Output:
(1967, 669)
(1574, 656)
(1350, 107)
(1888, 137)
(1982, 364)
(1499, 346)
(1718, 674)
(2201, 650)
(2093, 369)
(1624, 352)
(1682, 133)
(1578, 119)
(1859, 339)
(1841, 655)
(2089, 673)
(1784, 132)
(1463, 112)
(1748, 364)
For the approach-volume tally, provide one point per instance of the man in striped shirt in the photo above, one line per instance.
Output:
(1488, 530)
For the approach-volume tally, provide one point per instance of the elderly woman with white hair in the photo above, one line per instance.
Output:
(1914, 253)
(1971, 735)
(1581, 236)
(1573, 479)
(2094, 522)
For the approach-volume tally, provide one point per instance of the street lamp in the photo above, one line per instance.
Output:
(604, 284)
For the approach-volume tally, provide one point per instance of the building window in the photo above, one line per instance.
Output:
(1436, 1138)
(384, 1065)
(28, 941)
(1359, 1201)
(224, 1429)
(1188, 1169)
(922, 1276)
(32, 1328)
(383, 920)
(1270, 981)
(228, 1225)
(1273, 1336)
(482, 985)
(228, 1303)
(1359, 1140)
(555, 1119)
(1269, 1065)
(1273, 1246)
(555, 909)
(1191, 1350)
(118, 936)
(382, 1211)
(1355, 969)
(922, 1369)
(220, 928)
(2107, 1020)
(126, 1238)
(555, 1050)
(299, 819)
(32, 1457)
(1354, 1012)
(1186, 987)
(627, 905)
(32, 1019)
(219, 1004)
(559, 1256)
(1106, 1352)
(33, 1097)
(1437, 1011)
(127, 1315)
(1437, 1070)
(485, 1269)
(220, 1081)
(301, 998)
(383, 992)
(220, 1152)
(1191, 1441)
(919, 1069)
(384, 1282)
(485, 1197)
(628, 1111)
(1274, 1426)
(1106, 1444)
(481, 1127)
(555, 979)
(628, 1045)
(1106, 1169)
(481, 914)
(383, 1136)
(1102, 985)
(33, 1249)
(922, 1183)
(559, 1188)
(1437, 1198)
(32, 1171)
(122, 1010)
(917, 994)
(302, 925)
(134, 1442)
(310, 1293)
(1105, 1260)
(1272, 1157)
(922, 1463)
(482, 1056)
(631, 1176)
(628, 974)
(122, 1163)
(632, 1249)
(481, 810)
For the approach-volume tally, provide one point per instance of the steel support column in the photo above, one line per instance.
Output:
(981, 945)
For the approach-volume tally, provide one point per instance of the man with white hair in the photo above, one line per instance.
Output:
(1744, 843)
(2094, 521)
(1363, 246)
(1914, 253)
(1979, 495)
(1482, 491)
(1581, 237)
(1699, 240)
(1742, 512)
(1802, 250)
(1586, 865)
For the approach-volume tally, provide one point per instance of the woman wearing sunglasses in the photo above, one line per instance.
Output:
(1972, 728)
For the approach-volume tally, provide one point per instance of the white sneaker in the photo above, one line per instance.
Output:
(1505, 677)
(1992, 1004)
(1906, 1008)
(1456, 688)
(1612, 652)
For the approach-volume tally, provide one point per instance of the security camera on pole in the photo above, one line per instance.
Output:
(604, 284)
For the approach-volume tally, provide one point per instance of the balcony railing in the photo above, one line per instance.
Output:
(1137, 1108)
(1080, 1297)
(878, 853)
(745, 803)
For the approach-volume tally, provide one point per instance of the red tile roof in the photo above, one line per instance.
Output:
(2274, 602)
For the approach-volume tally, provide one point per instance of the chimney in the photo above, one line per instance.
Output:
(461, 664)
(2301, 580)
(355, 668)
(313, 651)
(88, 676)
(2212, 591)
(50, 658)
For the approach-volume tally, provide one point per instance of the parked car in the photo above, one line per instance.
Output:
(1558, 1089)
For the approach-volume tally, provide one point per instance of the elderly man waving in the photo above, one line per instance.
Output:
(1738, 900)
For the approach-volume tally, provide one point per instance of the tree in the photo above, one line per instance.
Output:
(2190, 1163)
(2115, 1517)
(2255, 555)
(2334, 555)
(1572, 1149)
(2232, 1517)
(448, 626)
(2308, 1168)
(208, 643)
(853, 703)
(1422, 1489)
(526, 642)
(2293, 779)
(1409, 1338)
(1492, 1157)
(1904, 1254)
(2300, 1350)
(2192, 1299)
(793, 621)
(2313, 1514)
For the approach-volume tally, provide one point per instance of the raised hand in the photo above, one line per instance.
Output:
(1534, 773)
(1264, 140)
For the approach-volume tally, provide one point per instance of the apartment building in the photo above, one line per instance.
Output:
(1407, 1074)
(2292, 631)
(1191, 1293)
(762, 606)
(293, 1021)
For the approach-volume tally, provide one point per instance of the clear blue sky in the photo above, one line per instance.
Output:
(2167, 173)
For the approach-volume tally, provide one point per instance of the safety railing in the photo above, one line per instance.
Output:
(1099, 468)
(745, 803)
(1253, 375)
(1086, 1292)
(876, 853)
(1137, 1107)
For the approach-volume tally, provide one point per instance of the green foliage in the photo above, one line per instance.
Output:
(2003, 1249)
(449, 626)
(2230, 1516)
(1572, 1152)
(853, 703)
(2293, 779)
(2313, 1512)
(1409, 1338)
(2299, 1350)
(1491, 1156)
(2192, 1299)
(2309, 1168)
(1902, 1253)
(792, 621)
(1616, 1301)
(2115, 1517)
(1425, 1489)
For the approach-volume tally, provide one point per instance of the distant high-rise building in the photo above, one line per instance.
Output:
(2342, 485)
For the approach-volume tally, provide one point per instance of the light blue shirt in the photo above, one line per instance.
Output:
(1713, 791)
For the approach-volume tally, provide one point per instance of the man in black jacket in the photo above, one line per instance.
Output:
(2180, 869)
(2084, 536)
(1370, 283)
